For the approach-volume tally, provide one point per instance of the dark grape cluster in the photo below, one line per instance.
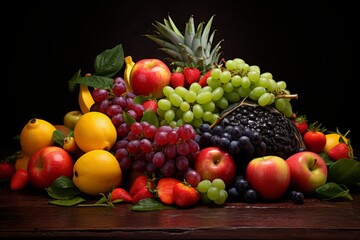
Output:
(164, 151)
(241, 191)
(113, 102)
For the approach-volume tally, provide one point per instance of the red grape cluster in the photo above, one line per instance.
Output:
(164, 151)
(113, 102)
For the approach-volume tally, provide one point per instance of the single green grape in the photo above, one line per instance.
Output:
(175, 99)
(215, 73)
(167, 90)
(222, 197)
(225, 76)
(198, 111)
(181, 91)
(230, 65)
(213, 193)
(164, 104)
(184, 106)
(217, 93)
(188, 116)
(190, 96)
(195, 86)
(203, 186)
(264, 99)
(218, 183)
(204, 97)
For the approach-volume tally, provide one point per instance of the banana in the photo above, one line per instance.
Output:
(129, 63)
(85, 99)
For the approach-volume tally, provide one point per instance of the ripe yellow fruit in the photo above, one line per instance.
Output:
(22, 161)
(97, 171)
(95, 130)
(332, 139)
(36, 134)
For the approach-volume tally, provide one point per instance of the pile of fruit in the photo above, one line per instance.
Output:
(192, 128)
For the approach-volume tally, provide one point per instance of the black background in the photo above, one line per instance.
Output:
(309, 46)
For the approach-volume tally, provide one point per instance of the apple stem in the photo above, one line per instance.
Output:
(314, 163)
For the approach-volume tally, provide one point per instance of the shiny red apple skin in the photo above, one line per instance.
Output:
(149, 77)
(213, 162)
(47, 164)
(269, 176)
(308, 171)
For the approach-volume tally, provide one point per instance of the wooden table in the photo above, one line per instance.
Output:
(29, 215)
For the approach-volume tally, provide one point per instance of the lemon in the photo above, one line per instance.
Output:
(36, 134)
(97, 171)
(95, 130)
(332, 139)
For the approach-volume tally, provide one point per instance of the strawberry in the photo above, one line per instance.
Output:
(191, 74)
(203, 79)
(185, 195)
(150, 105)
(301, 124)
(314, 138)
(164, 189)
(142, 193)
(340, 151)
(177, 79)
(19, 180)
(139, 183)
(7, 170)
(120, 194)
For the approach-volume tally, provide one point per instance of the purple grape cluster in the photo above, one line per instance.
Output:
(164, 151)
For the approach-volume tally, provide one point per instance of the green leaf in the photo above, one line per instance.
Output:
(327, 159)
(68, 202)
(95, 81)
(109, 62)
(63, 182)
(62, 193)
(141, 98)
(58, 137)
(345, 171)
(128, 118)
(62, 188)
(72, 83)
(149, 204)
(331, 191)
(150, 117)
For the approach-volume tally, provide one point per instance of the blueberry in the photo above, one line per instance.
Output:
(297, 197)
(251, 196)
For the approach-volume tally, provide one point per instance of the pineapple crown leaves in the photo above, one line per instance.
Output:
(191, 48)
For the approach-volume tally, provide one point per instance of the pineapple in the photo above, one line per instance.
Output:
(193, 48)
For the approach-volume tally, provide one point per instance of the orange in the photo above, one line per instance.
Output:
(333, 139)
(97, 171)
(22, 161)
(95, 130)
(36, 134)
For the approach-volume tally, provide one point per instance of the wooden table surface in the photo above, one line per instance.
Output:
(29, 215)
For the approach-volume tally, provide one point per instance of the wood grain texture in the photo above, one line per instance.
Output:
(29, 215)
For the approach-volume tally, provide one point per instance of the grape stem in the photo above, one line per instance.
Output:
(289, 96)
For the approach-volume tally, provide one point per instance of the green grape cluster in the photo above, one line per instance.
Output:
(212, 191)
(236, 80)
(228, 83)
(193, 105)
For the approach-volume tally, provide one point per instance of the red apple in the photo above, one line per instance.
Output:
(47, 164)
(71, 118)
(149, 76)
(269, 176)
(213, 162)
(308, 171)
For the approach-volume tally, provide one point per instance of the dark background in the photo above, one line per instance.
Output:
(311, 47)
